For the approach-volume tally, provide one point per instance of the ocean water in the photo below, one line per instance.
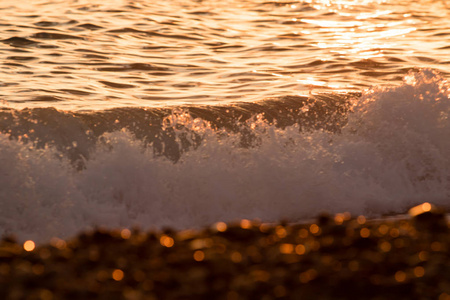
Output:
(182, 113)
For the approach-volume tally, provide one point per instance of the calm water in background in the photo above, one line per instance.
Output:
(183, 113)
(102, 54)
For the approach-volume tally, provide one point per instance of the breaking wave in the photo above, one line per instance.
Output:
(287, 158)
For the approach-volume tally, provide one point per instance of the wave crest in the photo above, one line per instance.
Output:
(388, 153)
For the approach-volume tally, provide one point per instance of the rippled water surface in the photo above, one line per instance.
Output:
(102, 54)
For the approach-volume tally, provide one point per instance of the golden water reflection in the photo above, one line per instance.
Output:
(100, 54)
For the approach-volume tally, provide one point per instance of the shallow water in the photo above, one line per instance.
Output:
(83, 55)
(184, 113)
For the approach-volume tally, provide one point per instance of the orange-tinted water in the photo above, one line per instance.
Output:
(83, 55)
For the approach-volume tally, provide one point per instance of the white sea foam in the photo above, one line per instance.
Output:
(394, 152)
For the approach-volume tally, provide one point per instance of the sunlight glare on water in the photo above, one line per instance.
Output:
(102, 54)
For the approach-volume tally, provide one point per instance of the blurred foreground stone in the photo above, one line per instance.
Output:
(337, 257)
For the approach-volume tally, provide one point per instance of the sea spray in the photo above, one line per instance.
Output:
(388, 155)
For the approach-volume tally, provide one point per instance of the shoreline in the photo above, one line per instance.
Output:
(333, 257)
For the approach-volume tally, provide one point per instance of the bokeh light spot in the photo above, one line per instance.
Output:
(221, 226)
(199, 255)
(300, 249)
(29, 245)
(117, 275)
(365, 232)
(400, 276)
(419, 271)
(286, 248)
(125, 234)
(166, 241)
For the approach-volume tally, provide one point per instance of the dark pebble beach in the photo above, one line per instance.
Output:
(331, 257)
